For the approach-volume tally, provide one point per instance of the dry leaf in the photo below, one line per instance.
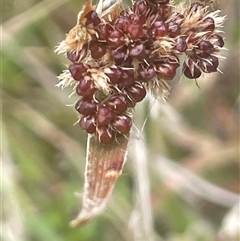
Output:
(104, 165)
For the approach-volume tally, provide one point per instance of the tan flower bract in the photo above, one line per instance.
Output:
(77, 37)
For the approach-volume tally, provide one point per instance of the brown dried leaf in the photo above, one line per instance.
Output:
(104, 165)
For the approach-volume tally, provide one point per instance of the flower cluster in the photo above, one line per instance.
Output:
(117, 54)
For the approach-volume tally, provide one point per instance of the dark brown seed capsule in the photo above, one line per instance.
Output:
(181, 44)
(120, 55)
(105, 134)
(216, 40)
(167, 71)
(212, 67)
(86, 106)
(135, 28)
(205, 46)
(77, 70)
(127, 63)
(191, 72)
(195, 7)
(122, 23)
(210, 64)
(154, 17)
(140, 7)
(92, 18)
(88, 124)
(104, 116)
(98, 49)
(136, 91)
(137, 51)
(178, 18)
(122, 123)
(165, 11)
(103, 31)
(158, 29)
(134, 31)
(173, 29)
(146, 73)
(118, 102)
(114, 74)
(115, 38)
(209, 23)
(86, 87)
(78, 55)
(126, 78)
(73, 56)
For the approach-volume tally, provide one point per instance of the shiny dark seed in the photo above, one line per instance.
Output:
(173, 29)
(73, 56)
(103, 31)
(135, 27)
(217, 40)
(205, 46)
(104, 115)
(88, 123)
(167, 71)
(209, 65)
(122, 23)
(137, 51)
(105, 135)
(181, 44)
(158, 29)
(77, 70)
(115, 39)
(165, 11)
(92, 18)
(122, 123)
(126, 78)
(114, 75)
(120, 55)
(210, 24)
(146, 73)
(86, 106)
(85, 87)
(98, 49)
(136, 91)
(140, 7)
(118, 102)
(192, 73)
(195, 7)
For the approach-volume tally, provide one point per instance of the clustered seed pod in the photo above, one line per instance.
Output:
(203, 43)
(116, 55)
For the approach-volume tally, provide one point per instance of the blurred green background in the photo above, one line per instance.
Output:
(191, 143)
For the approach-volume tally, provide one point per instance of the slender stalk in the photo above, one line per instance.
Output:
(141, 219)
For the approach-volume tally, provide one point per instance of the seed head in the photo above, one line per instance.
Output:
(118, 53)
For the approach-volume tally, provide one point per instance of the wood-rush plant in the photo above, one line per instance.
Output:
(118, 54)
